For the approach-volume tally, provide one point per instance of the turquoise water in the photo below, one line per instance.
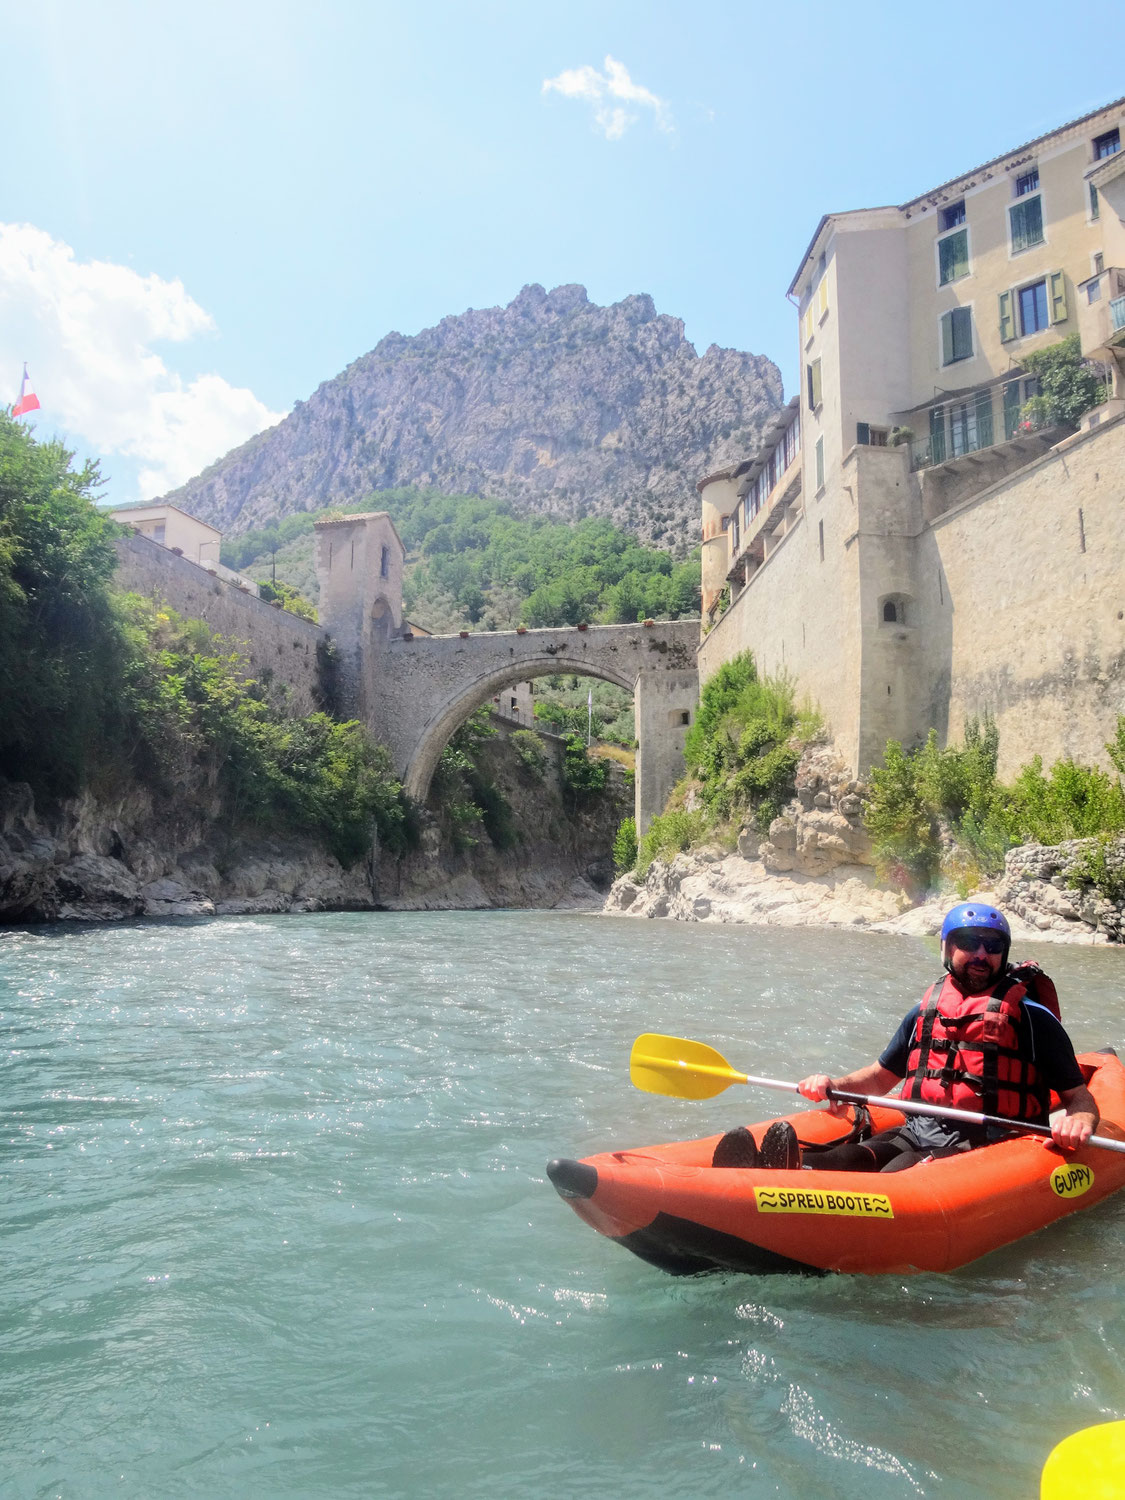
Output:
(275, 1223)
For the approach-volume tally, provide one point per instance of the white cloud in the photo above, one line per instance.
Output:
(87, 331)
(613, 95)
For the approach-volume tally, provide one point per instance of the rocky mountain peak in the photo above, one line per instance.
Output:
(562, 406)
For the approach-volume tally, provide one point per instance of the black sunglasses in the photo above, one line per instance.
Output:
(969, 939)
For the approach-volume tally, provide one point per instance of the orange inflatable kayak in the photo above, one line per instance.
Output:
(672, 1208)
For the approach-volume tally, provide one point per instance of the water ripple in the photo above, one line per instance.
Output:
(275, 1222)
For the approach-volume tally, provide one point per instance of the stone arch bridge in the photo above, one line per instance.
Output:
(413, 689)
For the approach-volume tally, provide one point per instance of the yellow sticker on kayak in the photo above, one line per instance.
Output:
(771, 1200)
(1072, 1181)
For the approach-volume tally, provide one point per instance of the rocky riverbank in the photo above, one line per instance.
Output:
(121, 857)
(816, 868)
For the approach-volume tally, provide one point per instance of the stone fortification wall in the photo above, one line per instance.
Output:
(276, 644)
(1021, 605)
(799, 617)
(1011, 603)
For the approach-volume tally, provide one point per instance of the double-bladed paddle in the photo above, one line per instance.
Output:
(683, 1069)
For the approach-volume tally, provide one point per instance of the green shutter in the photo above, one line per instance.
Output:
(1095, 211)
(863, 432)
(820, 463)
(814, 384)
(1056, 291)
(1027, 223)
(953, 256)
(962, 319)
(984, 419)
(937, 434)
(1007, 316)
(947, 338)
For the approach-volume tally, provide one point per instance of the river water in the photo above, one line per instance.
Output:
(275, 1223)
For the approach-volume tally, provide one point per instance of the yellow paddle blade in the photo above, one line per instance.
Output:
(680, 1068)
(1088, 1465)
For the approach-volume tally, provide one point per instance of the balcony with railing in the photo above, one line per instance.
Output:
(1101, 312)
(763, 520)
(976, 438)
(975, 422)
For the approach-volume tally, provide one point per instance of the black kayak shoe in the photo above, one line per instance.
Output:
(737, 1149)
(780, 1148)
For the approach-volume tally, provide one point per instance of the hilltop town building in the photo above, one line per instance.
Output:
(184, 534)
(912, 543)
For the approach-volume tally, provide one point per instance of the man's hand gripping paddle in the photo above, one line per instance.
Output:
(683, 1069)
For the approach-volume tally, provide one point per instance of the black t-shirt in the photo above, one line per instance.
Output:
(1042, 1041)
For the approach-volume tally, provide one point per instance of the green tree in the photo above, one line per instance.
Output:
(1068, 387)
(287, 596)
(60, 647)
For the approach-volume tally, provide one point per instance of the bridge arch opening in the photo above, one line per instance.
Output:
(437, 733)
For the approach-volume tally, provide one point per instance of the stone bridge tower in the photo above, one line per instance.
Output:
(414, 690)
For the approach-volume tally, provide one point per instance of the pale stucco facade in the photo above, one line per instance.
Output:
(173, 528)
(924, 551)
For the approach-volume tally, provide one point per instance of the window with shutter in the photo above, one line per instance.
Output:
(819, 451)
(1056, 291)
(862, 432)
(953, 257)
(1095, 207)
(1026, 223)
(822, 297)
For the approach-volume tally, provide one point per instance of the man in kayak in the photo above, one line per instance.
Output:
(975, 1042)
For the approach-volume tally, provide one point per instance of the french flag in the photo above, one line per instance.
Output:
(28, 401)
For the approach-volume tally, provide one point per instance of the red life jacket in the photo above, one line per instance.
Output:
(966, 1053)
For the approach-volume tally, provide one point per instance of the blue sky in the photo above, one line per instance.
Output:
(208, 209)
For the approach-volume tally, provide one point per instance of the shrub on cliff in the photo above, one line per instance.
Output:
(941, 811)
(197, 719)
(625, 846)
(277, 591)
(466, 795)
(583, 775)
(529, 751)
(743, 746)
(669, 835)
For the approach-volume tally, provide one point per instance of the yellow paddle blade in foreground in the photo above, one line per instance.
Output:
(678, 1067)
(1088, 1465)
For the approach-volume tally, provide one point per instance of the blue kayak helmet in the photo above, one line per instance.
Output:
(975, 914)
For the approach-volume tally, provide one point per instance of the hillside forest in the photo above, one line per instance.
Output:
(472, 564)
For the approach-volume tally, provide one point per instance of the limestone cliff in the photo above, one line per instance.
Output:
(816, 868)
(560, 405)
(125, 856)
